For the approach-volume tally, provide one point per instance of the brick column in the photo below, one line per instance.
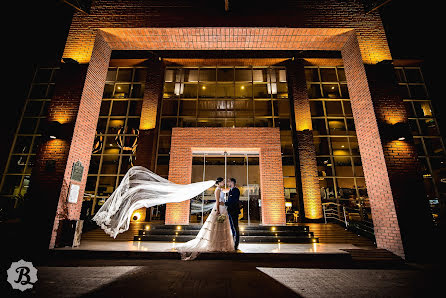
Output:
(305, 144)
(75, 106)
(399, 210)
(145, 152)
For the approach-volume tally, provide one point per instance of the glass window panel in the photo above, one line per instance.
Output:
(262, 108)
(311, 75)
(188, 107)
(343, 166)
(111, 74)
(28, 125)
(424, 167)
(135, 108)
(264, 122)
(331, 90)
(38, 91)
(206, 90)
(17, 164)
(316, 108)
(428, 127)
(429, 188)
(434, 146)
(94, 164)
(413, 127)
(282, 90)
(137, 91)
(90, 187)
(319, 127)
(289, 171)
(125, 164)
(119, 108)
(110, 164)
(189, 91)
(43, 75)
(207, 74)
(101, 126)
(334, 108)
(169, 89)
(243, 90)
(413, 75)
(324, 166)
(167, 124)
(208, 108)
(106, 185)
(287, 161)
(105, 108)
(11, 185)
(111, 145)
(115, 125)
(328, 75)
(327, 188)
(244, 122)
(337, 126)
(419, 146)
(125, 74)
(281, 108)
(358, 167)
(133, 125)
(33, 108)
(354, 146)
(351, 126)
(341, 74)
(409, 109)
(399, 75)
(188, 122)
(170, 108)
(344, 91)
(417, 91)
(108, 91)
(339, 146)
(283, 123)
(346, 188)
(210, 123)
(261, 91)
(225, 91)
(122, 91)
(347, 108)
(404, 91)
(190, 75)
(289, 182)
(259, 75)
(140, 75)
(321, 146)
(423, 108)
(314, 91)
(225, 74)
(164, 145)
(243, 74)
(243, 108)
(169, 75)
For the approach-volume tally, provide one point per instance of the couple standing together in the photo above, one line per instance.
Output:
(220, 232)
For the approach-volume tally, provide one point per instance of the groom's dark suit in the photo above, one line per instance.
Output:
(234, 210)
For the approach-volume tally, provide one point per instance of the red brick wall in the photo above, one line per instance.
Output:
(83, 112)
(298, 14)
(145, 152)
(305, 144)
(264, 140)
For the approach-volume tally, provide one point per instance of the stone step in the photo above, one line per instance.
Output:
(243, 239)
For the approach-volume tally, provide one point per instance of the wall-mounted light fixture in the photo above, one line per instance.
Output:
(69, 61)
(398, 131)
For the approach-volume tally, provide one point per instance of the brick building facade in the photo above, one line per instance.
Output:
(160, 37)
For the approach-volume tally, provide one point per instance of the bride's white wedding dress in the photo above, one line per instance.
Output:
(213, 236)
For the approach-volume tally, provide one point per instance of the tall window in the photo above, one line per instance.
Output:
(341, 177)
(227, 97)
(424, 127)
(16, 178)
(116, 133)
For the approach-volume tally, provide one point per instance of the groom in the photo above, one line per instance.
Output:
(234, 210)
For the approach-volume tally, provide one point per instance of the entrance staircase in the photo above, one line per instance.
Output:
(248, 234)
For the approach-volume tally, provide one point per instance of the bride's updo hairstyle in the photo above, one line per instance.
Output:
(218, 180)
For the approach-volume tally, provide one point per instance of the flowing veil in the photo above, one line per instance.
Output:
(139, 188)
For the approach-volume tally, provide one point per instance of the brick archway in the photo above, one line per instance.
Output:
(264, 140)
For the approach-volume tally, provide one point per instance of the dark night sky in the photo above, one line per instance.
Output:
(40, 29)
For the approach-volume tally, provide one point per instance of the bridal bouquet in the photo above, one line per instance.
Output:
(221, 218)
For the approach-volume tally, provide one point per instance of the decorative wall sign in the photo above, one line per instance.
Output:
(77, 171)
(74, 193)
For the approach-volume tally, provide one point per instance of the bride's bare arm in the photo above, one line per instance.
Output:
(217, 199)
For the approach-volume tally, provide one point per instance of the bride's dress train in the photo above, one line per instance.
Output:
(142, 188)
(213, 236)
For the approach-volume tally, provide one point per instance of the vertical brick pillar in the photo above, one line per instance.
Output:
(76, 106)
(397, 207)
(305, 143)
(145, 152)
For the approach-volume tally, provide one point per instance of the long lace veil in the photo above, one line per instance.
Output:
(142, 188)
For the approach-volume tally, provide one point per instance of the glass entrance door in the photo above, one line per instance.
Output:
(244, 167)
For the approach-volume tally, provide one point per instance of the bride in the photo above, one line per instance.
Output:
(215, 235)
(141, 188)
